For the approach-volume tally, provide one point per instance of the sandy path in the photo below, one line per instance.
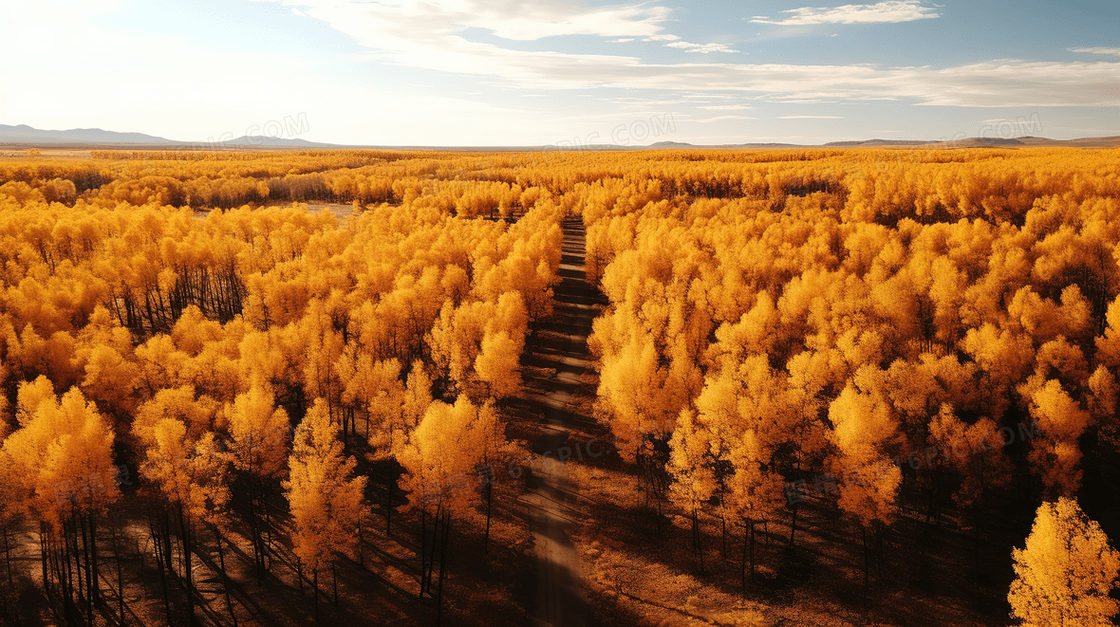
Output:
(559, 598)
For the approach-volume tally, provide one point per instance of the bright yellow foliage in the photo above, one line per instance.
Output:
(1065, 571)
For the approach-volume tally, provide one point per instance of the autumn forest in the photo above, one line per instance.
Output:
(676, 387)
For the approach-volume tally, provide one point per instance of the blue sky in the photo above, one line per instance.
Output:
(563, 72)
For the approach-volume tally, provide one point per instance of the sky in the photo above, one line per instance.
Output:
(566, 73)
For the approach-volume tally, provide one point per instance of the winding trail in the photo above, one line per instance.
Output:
(552, 496)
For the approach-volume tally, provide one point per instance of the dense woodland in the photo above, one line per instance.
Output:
(887, 333)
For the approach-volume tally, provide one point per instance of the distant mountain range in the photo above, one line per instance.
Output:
(24, 135)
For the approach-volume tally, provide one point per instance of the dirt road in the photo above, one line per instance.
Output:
(553, 497)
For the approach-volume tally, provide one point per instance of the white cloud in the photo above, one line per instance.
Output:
(702, 48)
(730, 107)
(721, 118)
(1014, 83)
(1098, 50)
(621, 41)
(889, 12)
(518, 20)
(405, 34)
(811, 117)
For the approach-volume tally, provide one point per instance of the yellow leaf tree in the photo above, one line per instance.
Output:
(64, 456)
(689, 465)
(190, 474)
(260, 448)
(440, 462)
(865, 429)
(326, 500)
(1066, 571)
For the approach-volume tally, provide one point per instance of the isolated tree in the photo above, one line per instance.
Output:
(1066, 571)
(325, 499)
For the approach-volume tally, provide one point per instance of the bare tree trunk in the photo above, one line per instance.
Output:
(697, 540)
(752, 551)
(8, 555)
(43, 556)
(423, 546)
(225, 576)
(389, 508)
(120, 574)
(254, 529)
(69, 555)
(866, 565)
(162, 561)
(489, 503)
(793, 524)
(75, 528)
(743, 566)
(315, 581)
(188, 563)
(443, 565)
(91, 567)
(361, 540)
(266, 554)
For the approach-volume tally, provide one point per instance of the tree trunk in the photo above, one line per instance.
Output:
(697, 541)
(315, 583)
(976, 556)
(185, 544)
(423, 546)
(443, 565)
(120, 574)
(91, 568)
(168, 560)
(8, 556)
(436, 525)
(69, 555)
(752, 551)
(723, 521)
(265, 554)
(866, 581)
(334, 580)
(255, 530)
(793, 524)
(161, 562)
(43, 556)
(225, 576)
(81, 554)
(880, 532)
(743, 564)
(389, 507)
(489, 503)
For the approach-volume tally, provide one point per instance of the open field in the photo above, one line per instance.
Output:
(829, 386)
